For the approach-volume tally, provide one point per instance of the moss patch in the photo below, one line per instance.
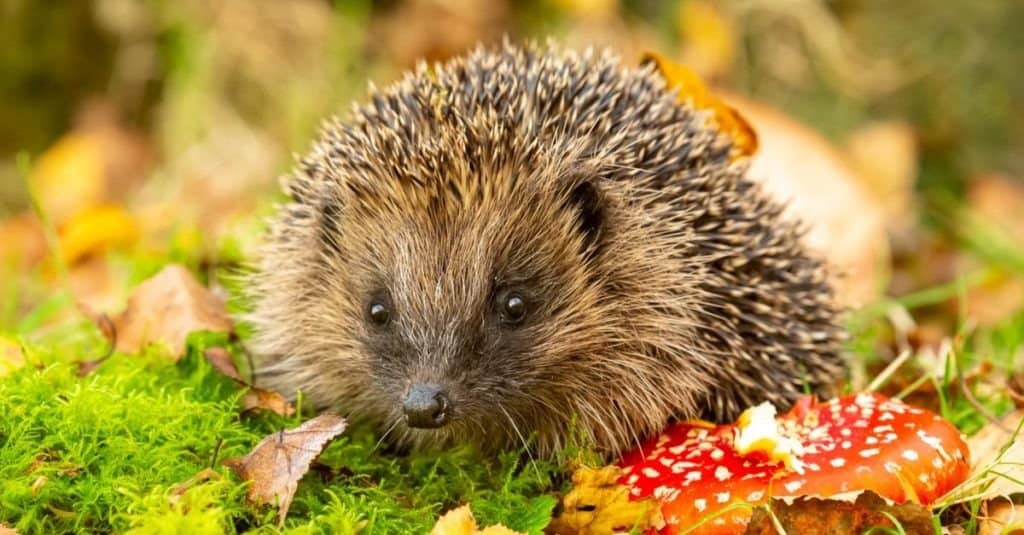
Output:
(116, 451)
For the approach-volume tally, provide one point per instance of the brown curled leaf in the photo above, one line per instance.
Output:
(267, 400)
(165, 309)
(275, 466)
(220, 359)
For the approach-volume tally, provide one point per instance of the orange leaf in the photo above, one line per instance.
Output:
(97, 229)
(691, 87)
(70, 177)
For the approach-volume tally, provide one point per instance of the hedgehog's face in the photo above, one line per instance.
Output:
(465, 310)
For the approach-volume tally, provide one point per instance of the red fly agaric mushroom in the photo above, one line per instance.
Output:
(709, 476)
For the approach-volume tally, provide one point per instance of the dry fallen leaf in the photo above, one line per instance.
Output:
(1001, 517)
(275, 466)
(22, 242)
(460, 521)
(997, 458)
(221, 360)
(95, 230)
(255, 398)
(999, 200)
(808, 515)
(165, 309)
(4, 530)
(598, 505)
(70, 177)
(885, 155)
(267, 400)
(798, 167)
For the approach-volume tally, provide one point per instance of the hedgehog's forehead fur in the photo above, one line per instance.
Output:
(645, 292)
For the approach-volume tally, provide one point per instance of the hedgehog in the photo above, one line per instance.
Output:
(529, 245)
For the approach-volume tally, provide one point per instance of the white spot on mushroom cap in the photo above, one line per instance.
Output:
(755, 496)
(722, 473)
(792, 486)
(865, 399)
(722, 497)
(650, 472)
(717, 454)
(632, 479)
(870, 452)
(691, 477)
(666, 493)
(681, 466)
(910, 455)
(837, 462)
(929, 439)
(701, 504)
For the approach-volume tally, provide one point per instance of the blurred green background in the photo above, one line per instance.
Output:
(187, 74)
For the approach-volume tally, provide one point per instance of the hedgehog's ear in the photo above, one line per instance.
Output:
(586, 201)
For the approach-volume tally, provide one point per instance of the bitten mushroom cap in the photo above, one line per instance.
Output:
(848, 445)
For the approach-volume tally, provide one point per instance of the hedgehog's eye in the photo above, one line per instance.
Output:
(513, 308)
(378, 313)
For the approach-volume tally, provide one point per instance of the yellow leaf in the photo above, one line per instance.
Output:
(598, 505)
(692, 88)
(70, 177)
(460, 521)
(10, 356)
(709, 40)
(95, 230)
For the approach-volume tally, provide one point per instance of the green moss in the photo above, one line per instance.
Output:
(116, 451)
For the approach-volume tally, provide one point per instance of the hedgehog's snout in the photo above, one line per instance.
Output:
(426, 406)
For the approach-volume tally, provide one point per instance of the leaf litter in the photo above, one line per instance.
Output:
(275, 466)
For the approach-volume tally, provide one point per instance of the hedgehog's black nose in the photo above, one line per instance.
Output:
(426, 406)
